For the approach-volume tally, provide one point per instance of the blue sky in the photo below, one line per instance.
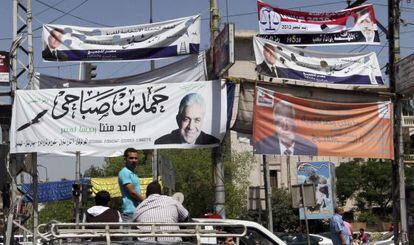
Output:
(100, 13)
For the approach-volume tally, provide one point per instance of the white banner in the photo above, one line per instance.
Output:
(105, 121)
(189, 69)
(138, 42)
(349, 26)
(283, 61)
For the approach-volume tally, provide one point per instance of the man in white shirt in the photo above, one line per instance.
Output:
(157, 208)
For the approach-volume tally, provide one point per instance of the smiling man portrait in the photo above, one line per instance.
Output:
(190, 119)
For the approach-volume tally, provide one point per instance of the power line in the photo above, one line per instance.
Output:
(67, 13)
(74, 16)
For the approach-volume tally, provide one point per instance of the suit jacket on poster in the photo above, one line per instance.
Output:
(270, 145)
(175, 138)
(48, 55)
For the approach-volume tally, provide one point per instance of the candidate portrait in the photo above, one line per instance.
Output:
(268, 66)
(54, 41)
(285, 141)
(189, 119)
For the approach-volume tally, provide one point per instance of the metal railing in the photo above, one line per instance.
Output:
(54, 231)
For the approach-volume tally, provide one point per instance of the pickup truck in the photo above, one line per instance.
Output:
(199, 231)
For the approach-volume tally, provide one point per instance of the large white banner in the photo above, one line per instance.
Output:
(104, 121)
(283, 61)
(147, 41)
(189, 69)
(349, 26)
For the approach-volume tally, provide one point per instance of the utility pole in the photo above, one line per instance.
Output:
(21, 63)
(398, 174)
(268, 193)
(218, 172)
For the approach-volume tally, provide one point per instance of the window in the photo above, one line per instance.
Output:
(273, 178)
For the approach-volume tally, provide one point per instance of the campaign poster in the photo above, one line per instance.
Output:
(104, 121)
(287, 125)
(137, 42)
(320, 174)
(356, 25)
(283, 61)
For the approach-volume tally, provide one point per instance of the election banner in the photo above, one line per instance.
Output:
(4, 66)
(287, 125)
(356, 25)
(320, 174)
(282, 61)
(104, 121)
(137, 42)
(189, 69)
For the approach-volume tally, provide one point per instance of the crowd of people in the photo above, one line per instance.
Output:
(154, 207)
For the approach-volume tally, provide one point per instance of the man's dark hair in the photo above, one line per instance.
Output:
(153, 188)
(128, 150)
(102, 198)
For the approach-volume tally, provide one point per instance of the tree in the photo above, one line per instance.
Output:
(347, 179)
(375, 184)
(285, 218)
(368, 181)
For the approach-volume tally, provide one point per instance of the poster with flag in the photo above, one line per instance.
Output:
(283, 61)
(356, 25)
(137, 42)
(287, 125)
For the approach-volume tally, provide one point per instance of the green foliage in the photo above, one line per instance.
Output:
(285, 218)
(369, 218)
(376, 183)
(59, 210)
(348, 176)
(236, 171)
(368, 181)
(94, 172)
(193, 175)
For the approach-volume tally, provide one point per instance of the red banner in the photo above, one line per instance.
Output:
(286, 125)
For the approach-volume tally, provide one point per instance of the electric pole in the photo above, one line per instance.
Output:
(398, 175)
(218, 171)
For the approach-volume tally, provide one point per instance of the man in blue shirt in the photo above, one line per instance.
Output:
(339, 233)
(129, 184)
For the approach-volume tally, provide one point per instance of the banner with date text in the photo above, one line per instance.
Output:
(356, 25)
(104, 121)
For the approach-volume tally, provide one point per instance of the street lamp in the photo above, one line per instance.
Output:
(40, 165)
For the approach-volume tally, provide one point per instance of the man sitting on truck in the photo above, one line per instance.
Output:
(157, 208)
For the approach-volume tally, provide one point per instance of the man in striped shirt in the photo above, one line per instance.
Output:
(157, 208)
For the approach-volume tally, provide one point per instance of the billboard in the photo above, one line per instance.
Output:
(4, 66)
(405, 75)
(356, 25)
(282, 61)
(287, 125)
(321, 175)
(224, 50)
(104, 121)
(137, 42)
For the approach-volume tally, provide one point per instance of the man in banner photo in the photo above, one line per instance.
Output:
(285, 141)
(190, 119)
(54, 41)
(268, 66)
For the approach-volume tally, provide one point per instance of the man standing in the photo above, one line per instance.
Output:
(157, 208)
(339, 232)
(51, 51)
(190, 120)
(129, 184)
(285, 141)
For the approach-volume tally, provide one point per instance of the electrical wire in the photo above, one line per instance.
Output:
(67, 13)
(74, 16)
